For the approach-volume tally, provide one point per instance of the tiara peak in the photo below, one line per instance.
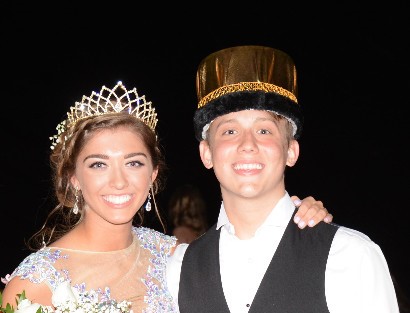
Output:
(107, 101)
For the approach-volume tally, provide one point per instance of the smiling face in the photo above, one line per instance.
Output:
(114, 172)
(249, 151)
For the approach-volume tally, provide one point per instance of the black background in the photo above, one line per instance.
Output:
(352, 62)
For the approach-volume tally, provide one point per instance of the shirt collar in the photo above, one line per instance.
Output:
(279, 216)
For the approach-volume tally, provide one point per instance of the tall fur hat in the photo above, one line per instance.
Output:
(246, 78)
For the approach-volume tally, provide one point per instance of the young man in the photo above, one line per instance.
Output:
(255, 259)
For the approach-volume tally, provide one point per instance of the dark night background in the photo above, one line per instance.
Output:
(353, 81)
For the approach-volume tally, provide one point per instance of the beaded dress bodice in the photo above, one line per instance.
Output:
(136, 274)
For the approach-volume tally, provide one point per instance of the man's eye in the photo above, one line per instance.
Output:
(264, 131)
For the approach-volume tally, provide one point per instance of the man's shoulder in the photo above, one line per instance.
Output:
(352, 237)
(344, 236)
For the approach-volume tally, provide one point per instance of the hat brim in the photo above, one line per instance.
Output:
(248, 100)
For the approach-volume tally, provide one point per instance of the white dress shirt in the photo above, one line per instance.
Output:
(357, 277)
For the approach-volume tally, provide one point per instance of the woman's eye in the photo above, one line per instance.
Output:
(97, 165)
(135, 163)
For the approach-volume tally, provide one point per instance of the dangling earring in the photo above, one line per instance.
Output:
(148, 204)
(75, 207)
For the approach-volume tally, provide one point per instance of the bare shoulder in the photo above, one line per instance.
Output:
(38, 293)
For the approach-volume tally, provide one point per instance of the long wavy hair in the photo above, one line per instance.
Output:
(63, 158)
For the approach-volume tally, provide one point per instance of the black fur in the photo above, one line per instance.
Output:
(245, 100)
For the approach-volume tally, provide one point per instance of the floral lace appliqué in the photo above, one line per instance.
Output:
(39, 267)
(158, 296)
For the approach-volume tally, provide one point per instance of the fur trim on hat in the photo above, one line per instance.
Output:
(246, 100)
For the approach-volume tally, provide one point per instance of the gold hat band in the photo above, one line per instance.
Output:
(246, 86)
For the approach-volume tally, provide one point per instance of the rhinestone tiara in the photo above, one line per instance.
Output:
(118, 99)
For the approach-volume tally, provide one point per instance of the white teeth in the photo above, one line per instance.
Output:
(248, 166)
(117, 199)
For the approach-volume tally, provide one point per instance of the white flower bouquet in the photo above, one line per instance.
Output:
(66, 299)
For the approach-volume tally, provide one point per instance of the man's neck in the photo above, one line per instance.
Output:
(248, 214)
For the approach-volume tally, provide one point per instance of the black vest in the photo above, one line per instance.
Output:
(293, 283)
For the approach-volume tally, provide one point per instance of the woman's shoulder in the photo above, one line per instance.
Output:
(38, 266)
(152, 235)
(28, 276)
(16, 288)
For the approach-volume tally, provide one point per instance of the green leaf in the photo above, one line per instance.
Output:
(9, 308)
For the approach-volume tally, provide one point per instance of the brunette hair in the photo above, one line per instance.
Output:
(63, 161)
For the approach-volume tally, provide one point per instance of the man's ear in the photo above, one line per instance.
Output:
(293, 153)
(205, 154)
